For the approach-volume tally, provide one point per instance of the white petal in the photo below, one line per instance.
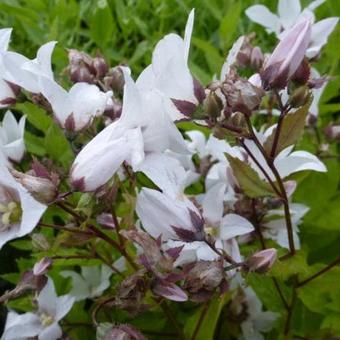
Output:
(188, 33)
(80, 289)
(314, 4)
(233, 225)
(213, 204)
(289, 11)
(263, 16)
(5, 36)
(47, 299)
(320, 33)
(63, 306)
(52, 332)
(298, 161)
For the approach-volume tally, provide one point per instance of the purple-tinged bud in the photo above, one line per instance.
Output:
(115, 79)
(311, 119)
(169, 290)
(42, 189)
(333, 132)
(123, 332)
(213, 105)
(302, 74)
(242, 95)
(80, 74)
(42, 266)
(262, 261)
(299, 97)
(256, 58)
(287, 56)
(100, 65)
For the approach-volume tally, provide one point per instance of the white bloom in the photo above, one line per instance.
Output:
(317, 94)
(276, 228)
(44, 322)
(92, 281)
(169, 73)
(19, 211)
(7, 95)
(12, 143)
(24, 72)
(289, 13)
(286, 162)
(74, 109)
(144, 127)
(257, 321)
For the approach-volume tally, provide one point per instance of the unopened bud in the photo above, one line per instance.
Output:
(124, 332)
(42, 266)
(80, 74)
(242, 96)
(100, 65)
(282, 64)
(42, 189)
(40, 242)
(256, 58)
(262, 261)
(238, 120)
(302, 74)
(115, 79)
(312, 119)
(299, 97)
(213, 105)
(333, 132)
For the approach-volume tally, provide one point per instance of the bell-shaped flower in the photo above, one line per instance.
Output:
(44, 323)
(169, 214)
(289, 13)
(287, 56)
(7, 91)
(276, 228)
(286, 162)
(143, 128)
(24, 72)
(19, 211)
(169, 73)
(91, 283)
(74, 109)
(257, 321)
(12, 143)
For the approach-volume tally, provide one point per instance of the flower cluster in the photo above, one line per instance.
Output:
(175, 191)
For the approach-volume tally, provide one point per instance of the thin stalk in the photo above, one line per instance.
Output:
(227, 257)
(319, 273)
(168, 313)
(64, 228)
(200, 320)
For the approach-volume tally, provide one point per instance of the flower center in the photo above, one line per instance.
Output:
(9, 214)
(46, 319)
(211, 230)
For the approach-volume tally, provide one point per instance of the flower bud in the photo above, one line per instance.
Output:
(80, 67)
(256, 58)
(123, 332)
(242, 96)
(100, 65)
(302, 74)
(80, 74)
(213, 105)
(262, 261)
(299, 97)
(333, 132)
(287, 56)
(42, 266)
(115, 79)
(42, 189)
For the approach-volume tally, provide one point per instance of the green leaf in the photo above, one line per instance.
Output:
(249, 180)
(292, 128)
(102, 24)
(35, 115)
(57, 146)
(34, 144)
(207, 328)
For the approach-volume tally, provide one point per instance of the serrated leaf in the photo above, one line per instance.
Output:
(249, 180)
(291, 130)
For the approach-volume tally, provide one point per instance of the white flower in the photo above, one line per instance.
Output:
(317, 94)
(144, 127)
(12, 143)
(276, 228)
(286, 162)
(257, 321)
(289, 13)
(44, 322)
(7, 94)
(24, 72)
(19, 211)
(74, 109)
(92, 281)
(169, 73)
